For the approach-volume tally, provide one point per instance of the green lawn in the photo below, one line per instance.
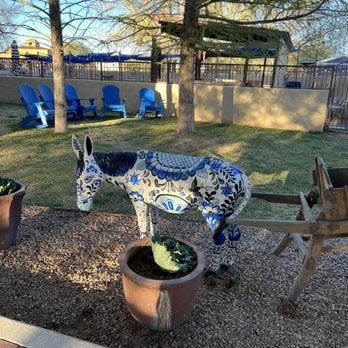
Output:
(276, 161)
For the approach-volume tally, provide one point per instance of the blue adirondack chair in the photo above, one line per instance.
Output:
(37, 115)
(73, 100)
(148, 104)
(46, 95)
(112, 102)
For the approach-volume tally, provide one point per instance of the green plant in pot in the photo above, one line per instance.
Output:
(7, 186)
(172, 255)
(11, 196)
(161, 278)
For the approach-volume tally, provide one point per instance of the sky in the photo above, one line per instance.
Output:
(99, 30)
(95, 29)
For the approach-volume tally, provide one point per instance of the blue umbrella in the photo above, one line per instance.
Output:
(15, 63)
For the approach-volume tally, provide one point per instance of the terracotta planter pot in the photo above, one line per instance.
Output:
(10, 216)
(159, 305)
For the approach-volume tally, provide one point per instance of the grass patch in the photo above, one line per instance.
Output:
(276, 161)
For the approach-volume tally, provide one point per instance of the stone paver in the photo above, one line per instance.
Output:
(29, 336)
(6, 344)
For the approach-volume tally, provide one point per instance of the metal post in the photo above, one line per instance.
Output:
(263, 72)
(330, 99)
(274, 71)
(41, 69)
(168, 71)
(314, 76)
(101, 70)
(174, 73)
(245, 71)
(198, 64)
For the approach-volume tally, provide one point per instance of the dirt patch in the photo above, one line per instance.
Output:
(63, 274)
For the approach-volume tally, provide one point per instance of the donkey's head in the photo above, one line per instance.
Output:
(89, 176)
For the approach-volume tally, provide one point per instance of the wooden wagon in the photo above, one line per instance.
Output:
(308, 232)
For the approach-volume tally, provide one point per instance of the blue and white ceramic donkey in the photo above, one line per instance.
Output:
(169, 182)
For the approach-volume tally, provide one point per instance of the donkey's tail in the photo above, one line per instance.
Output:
(247, 195)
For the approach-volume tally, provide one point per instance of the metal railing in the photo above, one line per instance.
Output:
(232, 74)
(334, 79)
(337, 111)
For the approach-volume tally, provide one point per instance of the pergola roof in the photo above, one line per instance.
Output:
(231, 40)
(334, 61)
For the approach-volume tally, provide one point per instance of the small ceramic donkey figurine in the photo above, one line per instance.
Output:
(169, 182)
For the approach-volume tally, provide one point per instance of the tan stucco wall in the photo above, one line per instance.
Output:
(281, 108)
(208, 103)
(211, 101)
(291, 109)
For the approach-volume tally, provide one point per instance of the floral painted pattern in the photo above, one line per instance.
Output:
(211, 213)
(173, 167)
(226, 190)
(170, 182)
(136, 196)
(134, 179)
(171, 204)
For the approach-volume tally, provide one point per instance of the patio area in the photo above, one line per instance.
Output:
(75, 286)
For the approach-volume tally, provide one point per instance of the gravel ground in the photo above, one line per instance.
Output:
(63, 274)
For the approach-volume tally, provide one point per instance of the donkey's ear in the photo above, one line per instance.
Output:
(88, 145)
(76, 146)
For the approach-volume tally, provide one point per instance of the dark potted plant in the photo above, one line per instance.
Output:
(11, 195)
(161, 297)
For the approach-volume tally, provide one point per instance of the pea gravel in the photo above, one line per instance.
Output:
(63, 275)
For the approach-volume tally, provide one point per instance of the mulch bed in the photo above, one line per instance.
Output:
(63, 274)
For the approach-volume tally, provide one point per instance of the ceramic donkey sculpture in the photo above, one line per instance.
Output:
(169, 182)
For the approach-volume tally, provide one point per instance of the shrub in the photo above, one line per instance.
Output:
(172, 255)
(8, 186)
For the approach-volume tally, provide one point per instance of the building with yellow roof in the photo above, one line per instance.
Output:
(30, 47)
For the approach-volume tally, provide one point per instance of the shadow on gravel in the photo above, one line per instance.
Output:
(63, 274)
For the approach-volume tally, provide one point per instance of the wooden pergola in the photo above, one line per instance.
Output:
(231, 40)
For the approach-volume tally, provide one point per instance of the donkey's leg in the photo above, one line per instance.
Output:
(153, 214)
(141, 209)
(219, 239)
(233, 233)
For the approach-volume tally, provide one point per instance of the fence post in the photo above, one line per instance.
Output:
(198, 64)
(245, 71)
(332, 78)
(263, 72)
(168, 71)
(174, 73)
(330, 99)
(41, 69)
(120, 66)
(315, 76)
(274, 72)
(101, 70)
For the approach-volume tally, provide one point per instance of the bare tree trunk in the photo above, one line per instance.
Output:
(186, 75)
(58, 67)
(186, 123)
